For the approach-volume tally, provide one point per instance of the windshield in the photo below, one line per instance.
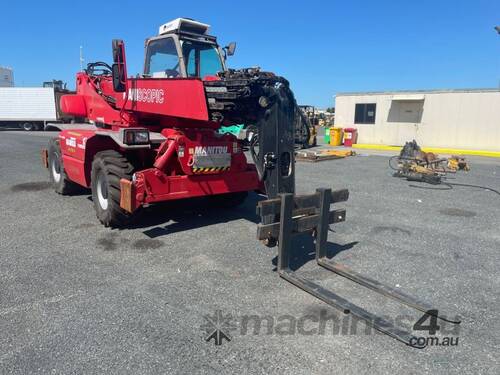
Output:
(162, 59)
(202, 59)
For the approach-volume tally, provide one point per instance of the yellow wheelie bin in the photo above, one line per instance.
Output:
(336, 135)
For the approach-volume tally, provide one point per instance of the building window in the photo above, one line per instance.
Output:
(365, 113)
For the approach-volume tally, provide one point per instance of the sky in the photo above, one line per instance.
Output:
(321, 47)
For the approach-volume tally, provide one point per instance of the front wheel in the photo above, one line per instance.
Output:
(57, 174)
(108, 168)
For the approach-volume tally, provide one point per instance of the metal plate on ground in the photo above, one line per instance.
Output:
(320, 155)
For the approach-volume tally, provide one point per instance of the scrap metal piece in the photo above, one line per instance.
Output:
(456, 163)
(320, 155)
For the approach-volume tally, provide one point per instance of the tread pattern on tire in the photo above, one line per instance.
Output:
(115, 166)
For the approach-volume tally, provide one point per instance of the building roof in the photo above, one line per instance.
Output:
(435, 91)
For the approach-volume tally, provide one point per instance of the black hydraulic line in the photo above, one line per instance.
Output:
(391, 159)
(450, 185)
(475, 186)
(98, 65)
(255, 156)
(432, 188)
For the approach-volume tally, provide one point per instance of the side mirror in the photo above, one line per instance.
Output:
(119, 68)
(117, 47)
(230, 48)
(118, 78)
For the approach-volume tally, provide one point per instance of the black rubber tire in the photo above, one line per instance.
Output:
(28, 126)
(61, 185)
(111, 166)
(229, 200)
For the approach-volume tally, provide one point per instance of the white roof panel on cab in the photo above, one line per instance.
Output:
(184, 24)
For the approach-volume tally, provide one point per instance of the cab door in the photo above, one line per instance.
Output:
(163, 58)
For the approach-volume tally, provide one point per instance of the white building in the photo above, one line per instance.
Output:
(6, 77)
(464, 119)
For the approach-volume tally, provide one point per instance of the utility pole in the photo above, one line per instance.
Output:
(497, 28)
(81, 59)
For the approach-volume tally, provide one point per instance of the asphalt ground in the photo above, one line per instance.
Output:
(76, 297)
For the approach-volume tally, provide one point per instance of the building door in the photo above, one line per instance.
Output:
(406, 116)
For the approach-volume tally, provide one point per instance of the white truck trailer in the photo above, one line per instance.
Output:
(30, 107)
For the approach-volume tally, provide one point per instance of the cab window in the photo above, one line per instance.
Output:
(162, 59)
(202, 59)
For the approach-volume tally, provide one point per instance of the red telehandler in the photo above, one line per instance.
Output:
(154, 138)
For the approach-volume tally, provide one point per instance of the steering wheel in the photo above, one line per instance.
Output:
(171, 73)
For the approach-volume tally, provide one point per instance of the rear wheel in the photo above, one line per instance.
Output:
(108, 168)
(58, 177)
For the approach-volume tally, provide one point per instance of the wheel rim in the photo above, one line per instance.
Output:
(27, 126)
(102, 191)
(55, 168)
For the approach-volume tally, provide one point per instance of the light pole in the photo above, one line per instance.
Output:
(81, 59)
(497, 28)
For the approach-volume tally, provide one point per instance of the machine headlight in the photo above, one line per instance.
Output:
(216, 89)
(263, 101)
(136, 136)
